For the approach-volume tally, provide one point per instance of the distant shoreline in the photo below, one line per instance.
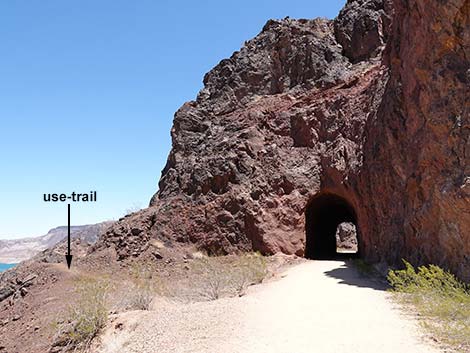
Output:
(6, 266)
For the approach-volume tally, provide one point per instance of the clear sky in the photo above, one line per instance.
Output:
(88, 89)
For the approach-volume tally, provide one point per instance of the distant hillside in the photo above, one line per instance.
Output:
(17, 250)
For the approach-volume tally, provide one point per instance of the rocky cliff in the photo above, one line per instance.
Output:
(365, 115)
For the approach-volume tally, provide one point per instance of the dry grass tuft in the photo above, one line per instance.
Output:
(144, 286)
(211, 278)
(85, 317)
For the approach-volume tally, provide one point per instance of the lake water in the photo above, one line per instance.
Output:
(4, 267)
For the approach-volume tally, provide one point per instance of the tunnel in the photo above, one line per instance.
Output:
(322, 216)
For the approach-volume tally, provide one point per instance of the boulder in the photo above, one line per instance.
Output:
(346, 237)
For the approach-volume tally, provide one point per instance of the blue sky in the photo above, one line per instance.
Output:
(88, 89)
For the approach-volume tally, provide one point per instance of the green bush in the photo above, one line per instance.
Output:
(440, 298)
(426, 278)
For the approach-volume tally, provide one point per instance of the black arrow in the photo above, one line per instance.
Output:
(68, 257)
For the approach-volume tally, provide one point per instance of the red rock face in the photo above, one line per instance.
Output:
(418, 148)
(318, 107)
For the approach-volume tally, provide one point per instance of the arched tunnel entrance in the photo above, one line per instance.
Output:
(322, 217)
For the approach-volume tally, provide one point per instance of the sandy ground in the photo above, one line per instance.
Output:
(317, 306)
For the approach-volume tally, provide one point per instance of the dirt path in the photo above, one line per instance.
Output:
(318, 306)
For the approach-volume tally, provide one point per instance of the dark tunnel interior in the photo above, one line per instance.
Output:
(322, 216)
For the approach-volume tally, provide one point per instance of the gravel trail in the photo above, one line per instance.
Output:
(317, 306)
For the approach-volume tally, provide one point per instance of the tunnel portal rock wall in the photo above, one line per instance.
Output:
(370, 106)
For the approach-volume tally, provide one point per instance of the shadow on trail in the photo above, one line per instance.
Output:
(348, 274)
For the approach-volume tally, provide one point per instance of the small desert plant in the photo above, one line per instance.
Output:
(215, 277)
(144, 286)
(132, 209)
(248, 270)
(439, 297)
(211, 275)
(430, 278)
(85, 317)
(139, 297)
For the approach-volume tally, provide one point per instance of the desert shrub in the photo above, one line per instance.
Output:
(138, 297)
(132, 209)
(144, 286)
(209, 279)
(248, 270)
(426, 278)
(84, 318)
(440, 297)
(216, 277)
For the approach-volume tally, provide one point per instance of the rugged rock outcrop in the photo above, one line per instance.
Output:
(346, 236)
(362, 28)
(416, 171)
(370, 110)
